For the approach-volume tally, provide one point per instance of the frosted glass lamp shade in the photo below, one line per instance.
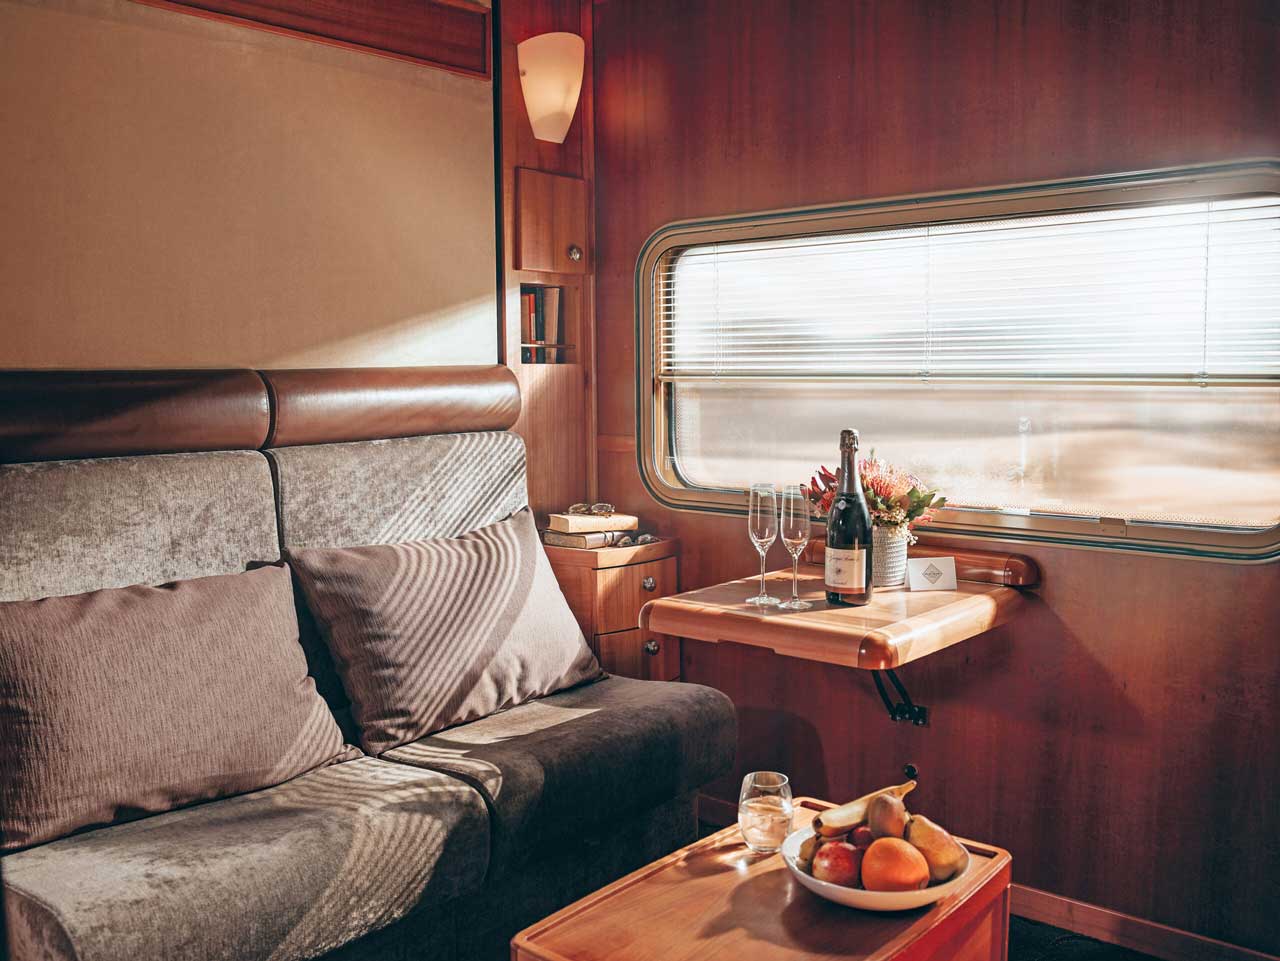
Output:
(551, 78)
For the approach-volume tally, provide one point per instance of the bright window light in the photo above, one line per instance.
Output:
(1121, 362)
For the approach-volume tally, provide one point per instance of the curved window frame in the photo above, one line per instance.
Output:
(658, 470)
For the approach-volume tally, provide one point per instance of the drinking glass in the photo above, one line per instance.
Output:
(762, 524)
(764, 810)
(795, 529)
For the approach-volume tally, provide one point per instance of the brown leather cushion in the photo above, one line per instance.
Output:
(136, 700)
(327, 406)
(428, 634)
(61, 414)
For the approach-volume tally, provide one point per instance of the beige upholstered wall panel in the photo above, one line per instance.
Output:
(404, 489)
(71, 526)
(176, 191)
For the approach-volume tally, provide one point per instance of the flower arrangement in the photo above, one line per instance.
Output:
(896, 498)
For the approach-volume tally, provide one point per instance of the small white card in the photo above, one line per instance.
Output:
(931, 573)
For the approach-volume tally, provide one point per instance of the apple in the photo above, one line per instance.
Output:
(862, 837)
(838, 862)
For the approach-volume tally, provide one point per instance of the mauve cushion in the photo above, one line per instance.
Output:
(136, 700)
(428, 634)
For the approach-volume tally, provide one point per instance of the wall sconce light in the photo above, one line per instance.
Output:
(551, 78)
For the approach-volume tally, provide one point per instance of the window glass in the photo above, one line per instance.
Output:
(1122, 362)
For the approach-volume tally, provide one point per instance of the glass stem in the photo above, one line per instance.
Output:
(795, 578)
(762, 556)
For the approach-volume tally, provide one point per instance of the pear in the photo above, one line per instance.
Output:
(887, 816)
(943, 853)
(846, 817)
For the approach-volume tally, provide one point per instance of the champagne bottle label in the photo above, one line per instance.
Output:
(846, 569)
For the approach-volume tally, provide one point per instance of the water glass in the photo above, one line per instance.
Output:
(762, 525)
(764, 810)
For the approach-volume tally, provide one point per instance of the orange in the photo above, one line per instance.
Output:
(891, 864)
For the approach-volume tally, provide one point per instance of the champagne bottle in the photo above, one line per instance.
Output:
(848, 559)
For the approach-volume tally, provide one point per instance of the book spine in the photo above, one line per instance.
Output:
(584, 541)
(539, 324)
(590, 523)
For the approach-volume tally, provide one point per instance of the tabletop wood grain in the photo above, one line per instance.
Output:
(897, 627)
(717, 901)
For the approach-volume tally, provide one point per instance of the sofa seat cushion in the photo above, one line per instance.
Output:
(582, 758)
(286, 873)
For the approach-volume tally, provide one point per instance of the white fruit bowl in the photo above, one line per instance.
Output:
(857, 897)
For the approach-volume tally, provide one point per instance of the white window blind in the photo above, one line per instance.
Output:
(1119, 362)
(1186, 291)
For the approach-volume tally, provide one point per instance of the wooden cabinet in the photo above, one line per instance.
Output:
(551, 223)
(606, 588)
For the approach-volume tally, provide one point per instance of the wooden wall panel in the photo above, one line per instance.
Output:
(453, 34)
(1118, 737)
(558, 420)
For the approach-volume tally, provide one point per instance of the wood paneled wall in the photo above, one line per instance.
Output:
(1120, 739)
(558, 418)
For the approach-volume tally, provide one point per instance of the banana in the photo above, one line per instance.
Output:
(808, 849)
(846, 817)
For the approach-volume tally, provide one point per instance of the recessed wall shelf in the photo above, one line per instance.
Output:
(543, 326)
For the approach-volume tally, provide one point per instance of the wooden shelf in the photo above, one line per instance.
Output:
(896, 628)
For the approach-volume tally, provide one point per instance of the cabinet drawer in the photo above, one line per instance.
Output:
(622, 591)
(625, 653)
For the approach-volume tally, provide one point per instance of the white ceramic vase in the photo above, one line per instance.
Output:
(888, 557)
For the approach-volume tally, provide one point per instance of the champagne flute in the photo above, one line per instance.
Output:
(795, 528)
(762, 524)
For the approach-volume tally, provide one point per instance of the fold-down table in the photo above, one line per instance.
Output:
(896, 628)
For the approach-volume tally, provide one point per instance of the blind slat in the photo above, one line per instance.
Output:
(1182, 289)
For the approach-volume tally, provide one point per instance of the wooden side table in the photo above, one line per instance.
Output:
(606, 588)
(716, 901)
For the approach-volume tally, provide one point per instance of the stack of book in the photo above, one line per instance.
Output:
(589, 531)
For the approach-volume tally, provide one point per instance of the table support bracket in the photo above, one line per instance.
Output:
(904, 709)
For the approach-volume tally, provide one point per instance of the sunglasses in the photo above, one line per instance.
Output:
(603, 510)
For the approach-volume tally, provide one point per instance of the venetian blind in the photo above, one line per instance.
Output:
(1188, 291)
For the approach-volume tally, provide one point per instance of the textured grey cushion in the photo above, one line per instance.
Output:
(286, 873)
(406, 489)
(575, 760)
(67, 527)
(137, 700)
(432, 633)
(387, 492)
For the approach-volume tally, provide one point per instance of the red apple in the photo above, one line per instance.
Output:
(862, 837)
(838, 862)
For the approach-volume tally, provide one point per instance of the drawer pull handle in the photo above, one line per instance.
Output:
(575, 253)
(649, 584)
(651, 648)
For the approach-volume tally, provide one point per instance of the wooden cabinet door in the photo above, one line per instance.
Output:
(635, 653)
(551, 223)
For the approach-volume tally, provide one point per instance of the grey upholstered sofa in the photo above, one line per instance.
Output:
(439, 849)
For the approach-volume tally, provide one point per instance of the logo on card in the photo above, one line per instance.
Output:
(932, 573)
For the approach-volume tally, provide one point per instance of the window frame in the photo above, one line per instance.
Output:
(654, 428)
